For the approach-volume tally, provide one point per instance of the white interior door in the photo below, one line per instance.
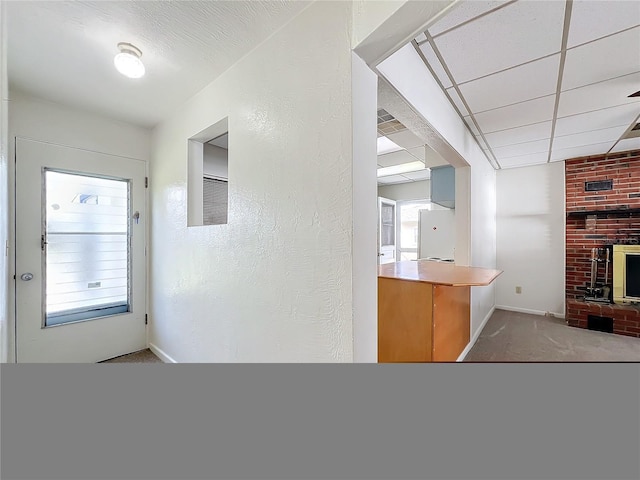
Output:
(386, 231)
(80, 254)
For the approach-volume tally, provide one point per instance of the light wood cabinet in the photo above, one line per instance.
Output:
(424, 310)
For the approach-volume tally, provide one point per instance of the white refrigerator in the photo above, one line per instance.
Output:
(437, 234)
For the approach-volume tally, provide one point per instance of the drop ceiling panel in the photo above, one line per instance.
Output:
(600, 95)
(595, 19)
(588, 138)
(598, 119)
(395, 158)
(529, 133)
(406, 139)
(527, 148)
(627, 144)
(581, 151)
(419, 175)
(462, 12)
(514, 31)
(603, 59)
(525, 113)
(393, 179)
(421, 38)
(524, 160)
(458, 101)
(435, 64)
(519, 84)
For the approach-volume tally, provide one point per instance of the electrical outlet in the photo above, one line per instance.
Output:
(518, 289)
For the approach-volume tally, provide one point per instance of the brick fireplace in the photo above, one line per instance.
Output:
(609, 214)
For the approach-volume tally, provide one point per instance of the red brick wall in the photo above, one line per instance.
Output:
(582, 234)
(626, 319)
(622, 168)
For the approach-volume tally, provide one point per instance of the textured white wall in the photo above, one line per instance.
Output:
(408, 74)
(34, 118)
(274, 284)
(365, 213)
(4, 191)
(382, 26)
(531, 238)
(368, 15)
(483, 233)
(406, 191)
(52, 122)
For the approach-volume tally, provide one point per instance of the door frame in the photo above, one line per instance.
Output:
(11, 250)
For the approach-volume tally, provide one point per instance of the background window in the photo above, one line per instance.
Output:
(408, 215)
(215, 195)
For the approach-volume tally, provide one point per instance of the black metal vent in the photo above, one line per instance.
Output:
(384, 116)
(598, 186)
(600, 324)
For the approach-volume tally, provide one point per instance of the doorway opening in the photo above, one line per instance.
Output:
(208, 176)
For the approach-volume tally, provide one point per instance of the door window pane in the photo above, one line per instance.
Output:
(86, 247)
(387, 214)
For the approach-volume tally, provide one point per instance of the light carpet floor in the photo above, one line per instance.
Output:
(143, 356)
(521, 337)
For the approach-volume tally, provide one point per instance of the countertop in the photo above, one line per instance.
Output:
(438, 273)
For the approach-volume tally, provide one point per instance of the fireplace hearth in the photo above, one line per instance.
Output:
(598, 221)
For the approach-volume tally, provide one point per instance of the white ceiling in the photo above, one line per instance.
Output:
(540, 81)
(501, 63)
(412, 153)
(63, 51)
(222, 141)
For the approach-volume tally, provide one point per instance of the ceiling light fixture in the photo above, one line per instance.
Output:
(385, 145)
(128, 61)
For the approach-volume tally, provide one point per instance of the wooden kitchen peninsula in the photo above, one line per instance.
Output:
(424, 309)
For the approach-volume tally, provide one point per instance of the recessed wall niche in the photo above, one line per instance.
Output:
(208, 176)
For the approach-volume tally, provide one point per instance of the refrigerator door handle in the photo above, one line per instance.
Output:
(419, 230)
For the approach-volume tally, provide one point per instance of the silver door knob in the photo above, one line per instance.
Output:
(26, 277)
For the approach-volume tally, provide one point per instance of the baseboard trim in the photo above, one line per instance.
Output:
(476, 335)
(532, 312)
(161, 354)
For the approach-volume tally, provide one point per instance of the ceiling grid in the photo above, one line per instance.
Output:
(568, 89)
(563, 57)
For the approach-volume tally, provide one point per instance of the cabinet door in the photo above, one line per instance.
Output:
(404, 321)
(451, 322)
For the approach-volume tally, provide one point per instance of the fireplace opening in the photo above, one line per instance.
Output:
(600, 324)
(632, 278)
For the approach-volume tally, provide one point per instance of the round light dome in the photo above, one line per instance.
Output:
(128, 61)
